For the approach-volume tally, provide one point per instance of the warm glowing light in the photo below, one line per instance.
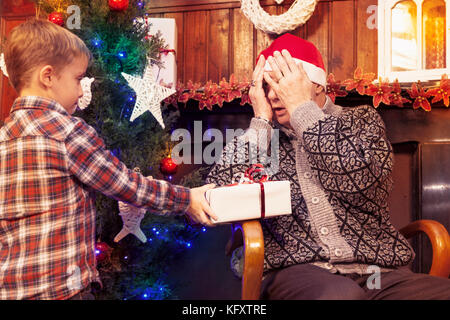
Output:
(406, 26)
(404, 36)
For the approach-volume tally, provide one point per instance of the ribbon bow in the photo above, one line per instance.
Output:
(255, 168)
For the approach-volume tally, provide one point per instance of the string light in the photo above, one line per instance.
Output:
(122, 54)
(97, 43)
(159, 290)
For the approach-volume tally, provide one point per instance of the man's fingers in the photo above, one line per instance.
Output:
(261, 62)
(259, 75)
(272, 83)
(289, 60)
(302, 71)
(281, 62)
(259, 66)
(259, 71)
(275, 69)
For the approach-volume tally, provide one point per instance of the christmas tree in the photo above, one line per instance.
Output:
(129, 269)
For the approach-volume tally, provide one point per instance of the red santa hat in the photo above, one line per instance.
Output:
(302, 51)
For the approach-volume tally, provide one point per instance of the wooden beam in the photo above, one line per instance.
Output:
(158, 6)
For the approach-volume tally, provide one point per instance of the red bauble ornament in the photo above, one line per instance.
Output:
(168, 166)
(118, 5)
(56, 18)
(102, 251)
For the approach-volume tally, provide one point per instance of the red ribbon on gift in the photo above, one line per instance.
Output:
(249, 174)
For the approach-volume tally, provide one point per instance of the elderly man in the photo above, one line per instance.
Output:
(339, 163)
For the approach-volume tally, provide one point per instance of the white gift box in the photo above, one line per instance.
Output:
(243, 201)
(168, 29)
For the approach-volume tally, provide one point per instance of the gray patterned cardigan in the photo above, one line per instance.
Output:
(339, 162)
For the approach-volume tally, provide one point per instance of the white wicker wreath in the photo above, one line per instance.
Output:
(299, 12)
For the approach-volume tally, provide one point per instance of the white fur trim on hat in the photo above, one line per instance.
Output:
(315, 74)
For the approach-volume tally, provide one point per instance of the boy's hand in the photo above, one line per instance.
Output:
(199, 210)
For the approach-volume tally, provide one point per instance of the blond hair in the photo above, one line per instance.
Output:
(36, 43)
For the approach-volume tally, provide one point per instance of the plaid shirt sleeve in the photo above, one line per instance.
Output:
(97, 167)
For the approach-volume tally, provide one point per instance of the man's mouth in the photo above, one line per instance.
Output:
(279, 110)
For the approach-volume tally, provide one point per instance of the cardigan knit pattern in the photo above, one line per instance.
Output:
(339, 163)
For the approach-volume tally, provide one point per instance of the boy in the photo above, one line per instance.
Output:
(50, 164)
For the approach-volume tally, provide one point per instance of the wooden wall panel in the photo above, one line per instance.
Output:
(215, 39)
(11, 15)
(243, 52)
(195, 46)
(366, 39)
(318, 30)
(219, 44)
(342, 60)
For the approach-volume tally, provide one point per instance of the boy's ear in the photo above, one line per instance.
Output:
(47, 76)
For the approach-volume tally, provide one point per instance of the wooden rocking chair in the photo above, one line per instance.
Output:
(249, 234)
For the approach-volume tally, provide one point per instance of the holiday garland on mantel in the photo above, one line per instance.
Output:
(390, 94)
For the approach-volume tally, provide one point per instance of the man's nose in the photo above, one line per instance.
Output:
(271, 95)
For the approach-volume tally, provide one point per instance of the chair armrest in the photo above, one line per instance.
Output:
(440, 242)
(253, 242)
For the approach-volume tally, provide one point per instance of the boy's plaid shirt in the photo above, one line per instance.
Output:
(50, 165)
